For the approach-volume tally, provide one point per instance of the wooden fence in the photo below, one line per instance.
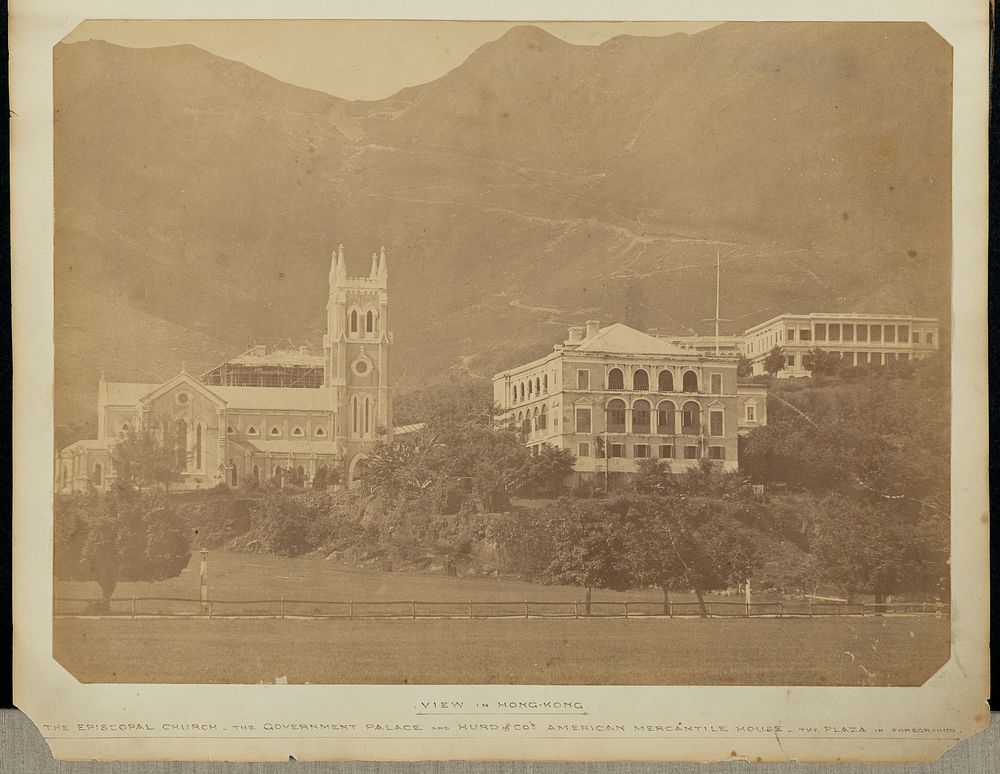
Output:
(181, 607)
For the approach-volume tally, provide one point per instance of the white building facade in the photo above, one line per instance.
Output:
(615, 396)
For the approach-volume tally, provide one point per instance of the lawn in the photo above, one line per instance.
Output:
(902, 651)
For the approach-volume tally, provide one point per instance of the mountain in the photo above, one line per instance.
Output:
(534, 186)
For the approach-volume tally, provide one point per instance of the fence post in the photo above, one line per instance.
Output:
(709, 609)
(626, 610)
(133, 607)
(470, 609)
(810, 607)
(209, 608)
(413, 611)
(748, 609)
(576, 609)
(525, 609)
(350, 609)
(780, 607)
(670, 609)
(282, 607)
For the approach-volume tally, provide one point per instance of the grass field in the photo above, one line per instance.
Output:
(265, 576)
(900, 651)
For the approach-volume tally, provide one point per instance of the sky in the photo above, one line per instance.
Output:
(351, 59)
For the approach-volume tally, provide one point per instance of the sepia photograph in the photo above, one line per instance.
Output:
(422, 352)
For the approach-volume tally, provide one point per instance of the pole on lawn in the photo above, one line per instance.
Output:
(747, 590)
(204, 579)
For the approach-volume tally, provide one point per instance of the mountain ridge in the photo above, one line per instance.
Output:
(523, 191)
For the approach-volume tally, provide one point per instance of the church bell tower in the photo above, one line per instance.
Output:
(356, 360)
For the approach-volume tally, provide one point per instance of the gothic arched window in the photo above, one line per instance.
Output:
(320, 432)
(197, 446)
(354, 321)
(370, 322)
(98, 474)
(180, 444)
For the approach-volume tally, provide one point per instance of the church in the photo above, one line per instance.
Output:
(263, 416)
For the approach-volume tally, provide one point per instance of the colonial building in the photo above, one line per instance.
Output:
(262, 415)
(858, 339)
(615, 395)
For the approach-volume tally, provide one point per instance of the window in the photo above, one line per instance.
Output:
(716, 452)
(354, 415)
(583, 450)
(666, 381)
(545, 382)
(640, 417)
(538, 386)
(583, 379)
(640, 381)
(320, 432)
(805, 334)
(616, 416)
(274, 430)
(583, 424)
(125, 427)
(929, 337)
(715, 423)
(666, 452)
(616, 450)
(890, 334)
(640, 451)
(297, 432)
(197, 447)
(616, 379)
(251, 430)
(716, 384)
(690, 381)
(665, 418)
(530, 387)
(230, 430)
(790, 334)
(820, 331)
(690, 417)
(790, 361)
(522, 390)
(876, 331)
(848, 333)
(690, 452)
(98, 475)
(751, 411)
(543, 418)
(368, 413)
(180, 444)
(862, 333)
(370, 322)
(354, 321)
(834, 331)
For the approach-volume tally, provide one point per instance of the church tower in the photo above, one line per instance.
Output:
(356, 360)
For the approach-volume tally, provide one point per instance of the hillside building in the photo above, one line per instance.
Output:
(615, 395)
(262, 415)
(858, 339)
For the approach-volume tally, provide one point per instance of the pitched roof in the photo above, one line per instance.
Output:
(302, 446)
(620, 338)
(276, 398)
(279, 357)
(93, 444)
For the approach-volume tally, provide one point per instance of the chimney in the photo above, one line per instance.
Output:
(575, 334)
(593, 327)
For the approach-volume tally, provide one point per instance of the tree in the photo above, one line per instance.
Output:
(147, 457)
(547, 469)
(588, 546)
(325, 476)
(775, 361)
(653, 476)
(124, 535)
(744, 368)
(820, 362)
